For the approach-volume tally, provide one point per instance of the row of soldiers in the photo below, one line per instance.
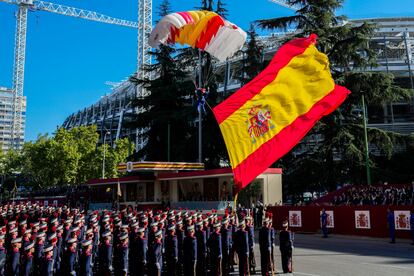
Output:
(38, 240)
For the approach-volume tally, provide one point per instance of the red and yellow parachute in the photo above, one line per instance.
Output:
(205, 30)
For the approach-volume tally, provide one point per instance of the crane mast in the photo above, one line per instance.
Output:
(143, 25)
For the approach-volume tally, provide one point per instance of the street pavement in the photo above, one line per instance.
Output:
(346, 255)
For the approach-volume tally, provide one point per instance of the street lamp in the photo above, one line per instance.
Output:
(104, 151)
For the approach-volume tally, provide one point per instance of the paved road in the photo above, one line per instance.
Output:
(345, 255)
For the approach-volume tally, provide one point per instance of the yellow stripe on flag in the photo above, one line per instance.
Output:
(292, 93)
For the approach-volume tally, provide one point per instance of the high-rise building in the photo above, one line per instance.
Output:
(6, 120)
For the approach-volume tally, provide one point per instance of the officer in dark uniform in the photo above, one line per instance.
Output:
(190, 252)
(272, 238)
(134, 266)
(286, 247)
(226, 241)
(171, 251)
(412, 226)
(3, 254)
(180, 240)
(242, 248)
(391, 225)
(27, 259)
(201, 236)
(105, 254)
(250, 234)
(155, 255)
(14, 260)
(47, 261)
(324, 223)
(265, 245)
(69, 257)
(123, 248)
(141, 252)
(215, 245)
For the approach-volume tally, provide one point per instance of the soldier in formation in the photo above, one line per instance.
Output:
(38, 240)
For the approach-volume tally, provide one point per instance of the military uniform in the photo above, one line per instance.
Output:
(85, 259)
(412, 226)
(171, 251)
(265, 245)
(155, 255)
(252, 259)
(391, 225)
(201, 236)
(47, 261)
(123, 250)
(14, 259)
(226, 241)
(2, 257)
(216, 250)
(27, 259)
(105, 254)
(286, 248)
(324, 224)
(69, 258)
(242, 249)
(190, 249)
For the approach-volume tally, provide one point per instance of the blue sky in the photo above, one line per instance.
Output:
(68, 60)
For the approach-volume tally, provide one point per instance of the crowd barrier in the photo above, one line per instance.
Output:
(368, 221)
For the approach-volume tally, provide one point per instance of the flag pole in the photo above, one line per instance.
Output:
(200, 126)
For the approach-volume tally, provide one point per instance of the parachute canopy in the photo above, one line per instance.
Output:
(205, 30)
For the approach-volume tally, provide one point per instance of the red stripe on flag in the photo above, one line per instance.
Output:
(214, 24)
(286, 139)
(283, 56)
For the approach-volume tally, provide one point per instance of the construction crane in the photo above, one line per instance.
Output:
(143, 25)
(285, 4)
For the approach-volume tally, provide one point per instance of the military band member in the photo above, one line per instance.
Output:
(226, 241)
(286, 247)
(190, 252)
(171, 251)
(324, 223)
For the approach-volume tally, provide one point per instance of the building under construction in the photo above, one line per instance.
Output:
(393, 42)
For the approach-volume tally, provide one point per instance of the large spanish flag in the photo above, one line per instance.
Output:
(267, 117)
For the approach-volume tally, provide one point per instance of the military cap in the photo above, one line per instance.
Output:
(154, 224)
(217, 225)
(190, 228)
(28, 231)
(40, 235)
(106, 233)
(198, 223)
(72, 240)
(89, 231)
(158, 233)
(29, 246)
(51, 236)
(86, 243)
(48, 248)
(13, 230)
(124, 226)
(59, 228)
(241, 223)
(16, 240)
(171, 227)
(141, 229)
(123, 236)
(135, 224)
(285, 223)
(225, 221)
(2, 236)
(23, 222)
(54, 220)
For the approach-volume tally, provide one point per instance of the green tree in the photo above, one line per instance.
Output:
(253, 61)
(342, 151)
(165, 107)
